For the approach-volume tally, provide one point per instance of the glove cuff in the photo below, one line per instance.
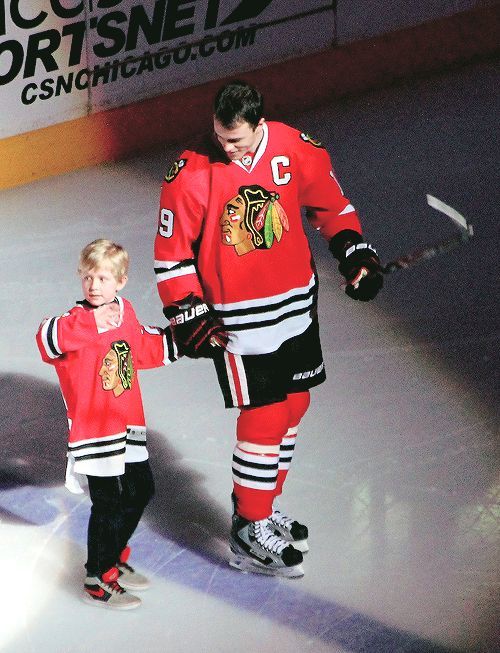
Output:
(355, 248)
(342, 241)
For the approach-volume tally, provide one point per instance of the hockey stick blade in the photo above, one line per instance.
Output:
(452, 213)
(407, 260)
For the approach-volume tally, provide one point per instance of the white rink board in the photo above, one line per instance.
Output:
(47, 50)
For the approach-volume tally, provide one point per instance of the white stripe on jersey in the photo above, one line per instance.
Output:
(348, 209)
(181, 272)
(136, 451)
(266, 301)
(89, 448)
(49, 338)
(268, 338)
(290, 319)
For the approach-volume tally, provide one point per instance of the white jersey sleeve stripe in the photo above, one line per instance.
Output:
(49, 338)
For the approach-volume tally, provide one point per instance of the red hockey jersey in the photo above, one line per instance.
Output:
(232, 233)
(97, 373)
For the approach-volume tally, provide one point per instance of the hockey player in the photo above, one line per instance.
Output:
(237, 281)
(96, 348)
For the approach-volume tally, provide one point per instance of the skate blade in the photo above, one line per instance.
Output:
(245, 564)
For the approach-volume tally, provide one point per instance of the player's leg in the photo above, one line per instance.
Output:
(285, 526)
(301, 359)
(298, 403)
(251, 383)
(259, 432)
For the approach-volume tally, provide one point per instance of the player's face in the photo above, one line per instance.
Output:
(100, 285)
(239, 140)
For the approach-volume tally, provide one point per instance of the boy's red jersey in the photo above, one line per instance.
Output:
(232, 233)
(100, 386)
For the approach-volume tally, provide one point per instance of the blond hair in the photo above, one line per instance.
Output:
(103, 252)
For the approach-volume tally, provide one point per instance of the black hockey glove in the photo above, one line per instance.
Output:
(358, 263)
(197, 330)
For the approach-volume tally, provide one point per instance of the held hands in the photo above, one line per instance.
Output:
(359, 264)
(107, 316)
(197, 330)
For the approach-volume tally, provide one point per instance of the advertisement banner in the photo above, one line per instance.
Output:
(63, 59)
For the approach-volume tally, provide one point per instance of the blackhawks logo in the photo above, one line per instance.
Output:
(117, 371)
(309, 139)
(253, 219)
(174, 170)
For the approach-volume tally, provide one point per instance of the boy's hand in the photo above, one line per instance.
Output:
(107, 316)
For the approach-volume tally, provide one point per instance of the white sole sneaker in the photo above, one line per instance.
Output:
(131, 603)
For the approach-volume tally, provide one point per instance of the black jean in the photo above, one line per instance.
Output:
(118, 503)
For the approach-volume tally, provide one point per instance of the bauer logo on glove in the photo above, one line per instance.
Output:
(198, 332)
(189, 314)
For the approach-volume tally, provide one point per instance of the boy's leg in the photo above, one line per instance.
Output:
(106, 524)
(103, 542)
(137, 491)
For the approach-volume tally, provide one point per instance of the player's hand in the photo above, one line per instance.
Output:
(358, 263)
(362, 271)
(107, 316)
(198, 332)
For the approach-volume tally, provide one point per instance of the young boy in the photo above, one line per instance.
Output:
(96, 348)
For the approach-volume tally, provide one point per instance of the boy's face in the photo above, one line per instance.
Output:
(100, 285)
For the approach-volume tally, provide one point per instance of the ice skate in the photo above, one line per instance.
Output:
(257, 549)
(289, 529)
(105, 591)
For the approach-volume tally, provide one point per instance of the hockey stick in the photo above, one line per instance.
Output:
(466, 233)
(430, 251)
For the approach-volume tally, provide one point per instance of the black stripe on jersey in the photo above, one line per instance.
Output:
(267, 307)
(50, 338)
(258, 479)
(104, 443)
(170, 346)
(103, 454)
(136, 443)
(181, 264)
(246, 463)
(270, 322)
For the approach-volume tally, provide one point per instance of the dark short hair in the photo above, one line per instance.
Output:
(238, 102)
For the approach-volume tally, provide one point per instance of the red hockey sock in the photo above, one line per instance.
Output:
(298, 403)
(255, 458)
